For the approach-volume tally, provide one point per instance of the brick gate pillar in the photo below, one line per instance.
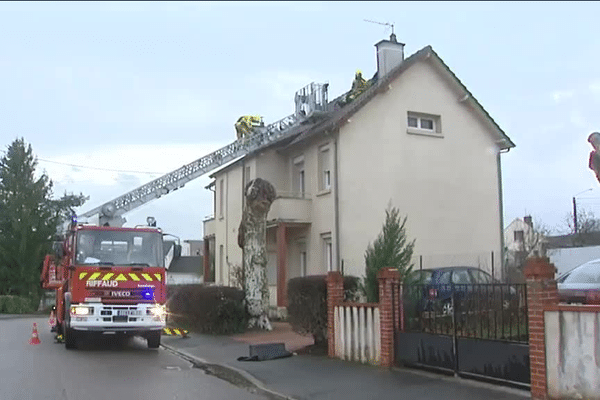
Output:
(541, 291)
(335, 296)
(388, 278)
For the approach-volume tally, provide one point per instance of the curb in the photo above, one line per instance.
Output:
(465, 381)
(255, 382)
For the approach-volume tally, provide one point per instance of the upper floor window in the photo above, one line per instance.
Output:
(247, 176)
(324, 168)
(298, 177)
(221, 197)
(519, 236)
(420, 123)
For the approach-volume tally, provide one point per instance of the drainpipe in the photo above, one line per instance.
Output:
(336, 201)
(501, 210)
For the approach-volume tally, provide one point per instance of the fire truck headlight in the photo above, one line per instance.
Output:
(159, 311)
(82, 310)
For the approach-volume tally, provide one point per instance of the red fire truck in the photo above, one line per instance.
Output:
(108, 280)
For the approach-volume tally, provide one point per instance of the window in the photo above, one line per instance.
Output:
(461, 277)
(221, 196)
(519, 236)
(328, 251)
(481, 277)
(221, 266)
(423, 123)
(298, 177)
(246, 176)
(324, 168)
(426, 124)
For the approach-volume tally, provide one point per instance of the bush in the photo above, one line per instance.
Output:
(307, 304)
(16, 305)
(207, 309)
(391, 249)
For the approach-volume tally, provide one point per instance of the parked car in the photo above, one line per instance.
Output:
(581, 284)
(440, 284)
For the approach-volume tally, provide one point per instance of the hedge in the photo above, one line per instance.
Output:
(16, 305)
(207, 309)
(307, 304)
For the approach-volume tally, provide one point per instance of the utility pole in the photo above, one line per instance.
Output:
(575, 208)
(575, 214)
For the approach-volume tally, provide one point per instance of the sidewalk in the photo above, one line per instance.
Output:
(319, 377)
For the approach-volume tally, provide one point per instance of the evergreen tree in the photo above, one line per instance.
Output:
(29, 218)
(390, 249)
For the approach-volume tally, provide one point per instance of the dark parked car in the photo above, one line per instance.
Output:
(581, 284)
(466, 283)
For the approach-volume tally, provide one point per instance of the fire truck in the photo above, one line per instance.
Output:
(112, 280)
(108, 280)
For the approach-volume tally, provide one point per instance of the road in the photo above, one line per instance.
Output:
(100, 369)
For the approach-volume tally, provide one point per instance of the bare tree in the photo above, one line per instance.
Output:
(586, 222)
(252, 238)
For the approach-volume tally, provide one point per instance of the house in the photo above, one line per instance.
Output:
(416, 138)
(192, 248)
(521, 240)
(185, 270)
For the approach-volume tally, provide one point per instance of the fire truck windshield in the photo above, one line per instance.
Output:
(94, 247)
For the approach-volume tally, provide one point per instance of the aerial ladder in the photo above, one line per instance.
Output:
(310, 101)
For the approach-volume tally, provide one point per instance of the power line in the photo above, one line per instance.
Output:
(97, 168)
(102, 169)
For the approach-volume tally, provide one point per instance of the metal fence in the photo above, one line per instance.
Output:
(479, 311)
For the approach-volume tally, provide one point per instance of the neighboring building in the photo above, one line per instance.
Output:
(521, 237)
(185, 270)
(521, 241)
(192, 248)
(569, 251)
(416, 139)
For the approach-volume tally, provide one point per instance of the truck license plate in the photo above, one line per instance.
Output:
(129, 312)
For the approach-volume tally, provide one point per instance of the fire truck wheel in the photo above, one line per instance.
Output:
(70, 339)
(153, 340)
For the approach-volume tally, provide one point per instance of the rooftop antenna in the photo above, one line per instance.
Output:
(393, 36)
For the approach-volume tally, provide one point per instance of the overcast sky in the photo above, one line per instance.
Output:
(144, 88)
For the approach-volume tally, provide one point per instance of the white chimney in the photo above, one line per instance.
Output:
(390, 54)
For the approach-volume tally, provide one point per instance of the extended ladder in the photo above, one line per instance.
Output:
(310, 99)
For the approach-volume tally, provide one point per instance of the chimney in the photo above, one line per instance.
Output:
(528, 220)
(390, 54)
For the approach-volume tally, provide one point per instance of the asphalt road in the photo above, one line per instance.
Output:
(99, 369)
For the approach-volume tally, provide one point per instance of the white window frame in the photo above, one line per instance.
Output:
(299, 169)
(327, 251)
(419, 129)
(221, 197)
(324, 170)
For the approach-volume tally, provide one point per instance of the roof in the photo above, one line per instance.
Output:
(338, 115)
(187, 264)
(573, 240)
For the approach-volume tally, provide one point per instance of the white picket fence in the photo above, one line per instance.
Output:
(357, 333)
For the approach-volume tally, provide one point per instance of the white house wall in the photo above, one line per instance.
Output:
(227, 222)
(448, 187)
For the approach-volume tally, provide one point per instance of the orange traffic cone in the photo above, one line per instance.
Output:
(34, 335)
